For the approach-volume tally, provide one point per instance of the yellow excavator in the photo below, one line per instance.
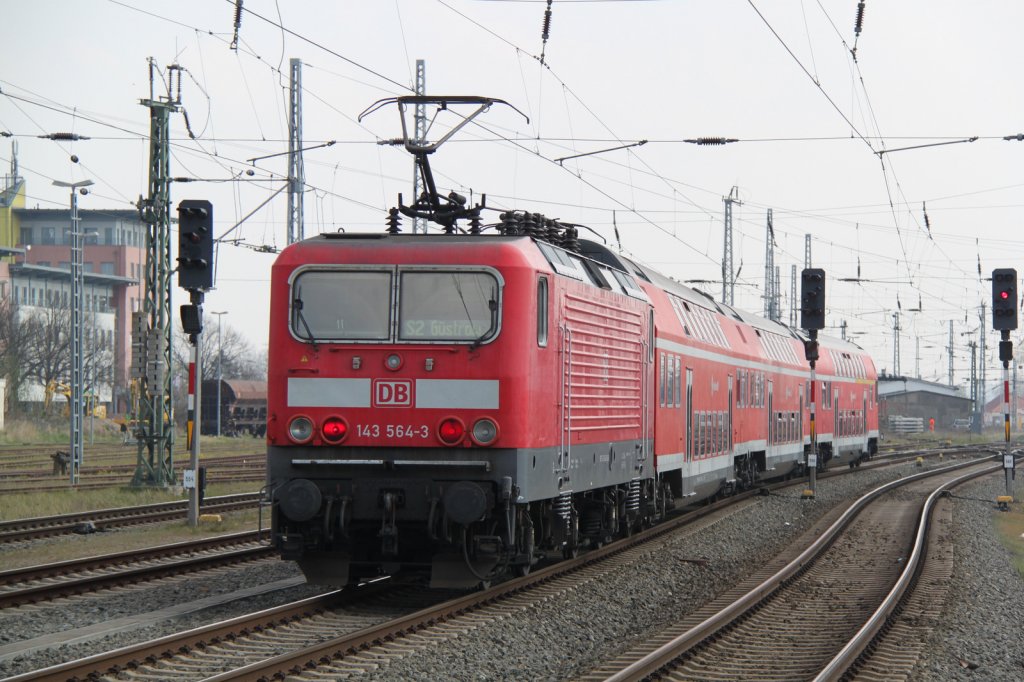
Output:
(92, 405)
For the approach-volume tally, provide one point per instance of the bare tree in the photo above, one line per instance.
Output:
(15, 344)
(48, 357)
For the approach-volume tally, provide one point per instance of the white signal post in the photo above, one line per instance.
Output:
(812, 456)
(1006, 355)
(195, 374)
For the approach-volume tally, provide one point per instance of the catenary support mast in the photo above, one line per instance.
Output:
(419, 224)
(296, 169)
(728, 273)
(155, 432)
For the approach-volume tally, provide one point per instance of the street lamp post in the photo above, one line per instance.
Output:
(220, 364)
(77, 313)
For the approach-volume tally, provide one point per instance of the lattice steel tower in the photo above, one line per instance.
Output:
(155, 430)
(951, 353)
(728, 274)
(420, 119)
(896, 344)
(296, 169)
(794, 303)
(769, 269)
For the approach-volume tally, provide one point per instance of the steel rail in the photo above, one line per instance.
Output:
(663, 656)
(866, 635)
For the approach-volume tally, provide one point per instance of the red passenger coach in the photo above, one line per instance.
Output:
(462, 403)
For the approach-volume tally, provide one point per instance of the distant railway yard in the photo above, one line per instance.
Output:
(900, 568)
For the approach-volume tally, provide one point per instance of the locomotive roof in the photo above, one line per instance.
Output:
(412, 238)
(602, 254)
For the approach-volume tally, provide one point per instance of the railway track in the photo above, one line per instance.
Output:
(314, 635)
(98, 474)
(35, 584)
(289, 638)
(815, 613)
(47, 526)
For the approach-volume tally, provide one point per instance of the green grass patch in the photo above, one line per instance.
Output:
(71, 546)
(31, 505)
(1010, 527)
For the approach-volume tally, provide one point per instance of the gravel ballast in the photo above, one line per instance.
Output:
(569, 633)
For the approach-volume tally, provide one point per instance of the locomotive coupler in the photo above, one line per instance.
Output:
(388, 530)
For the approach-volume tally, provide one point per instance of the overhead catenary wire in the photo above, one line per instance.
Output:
(896, 203)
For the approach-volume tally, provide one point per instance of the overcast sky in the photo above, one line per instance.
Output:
(820, 134)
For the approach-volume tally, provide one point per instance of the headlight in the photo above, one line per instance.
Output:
(300, 429)
(485, 431)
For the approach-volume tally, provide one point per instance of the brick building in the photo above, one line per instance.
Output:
(35, 245)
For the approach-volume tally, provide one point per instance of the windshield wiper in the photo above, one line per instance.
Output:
(297, 307)
(493, 306)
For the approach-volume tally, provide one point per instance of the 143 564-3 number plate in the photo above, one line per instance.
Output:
(392, 431)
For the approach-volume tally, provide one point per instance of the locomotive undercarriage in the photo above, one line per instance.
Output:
(342, 528)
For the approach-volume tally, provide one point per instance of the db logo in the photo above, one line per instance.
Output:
(392, 393)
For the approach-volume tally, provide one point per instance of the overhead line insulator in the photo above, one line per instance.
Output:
(70, 137)
(860, 19)
(545, 32)
(709, 141)
(238, 24)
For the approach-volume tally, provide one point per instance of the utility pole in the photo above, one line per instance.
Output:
(220, 364)
(981, 366)
(769, 268)
(419, 225)
(155, 432)
(896, 344)
(777, 294)
(75, 408)
(950, 351)
(974, 378)
(794, 305)
(296, 169)
(807, 251)
(728, 281)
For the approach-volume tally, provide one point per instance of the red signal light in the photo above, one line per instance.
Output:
(451, 431)
(334, 429)
(1004, 294)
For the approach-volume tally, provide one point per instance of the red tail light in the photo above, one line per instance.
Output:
(334, 429)
(451, 431)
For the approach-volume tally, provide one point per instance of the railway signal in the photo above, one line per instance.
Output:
(1004, 299)
(1004, 319)
(195, 273)
(195, 245)
(812, 299)
(812, 318)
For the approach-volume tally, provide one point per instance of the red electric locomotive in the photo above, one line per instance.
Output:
(461, 402)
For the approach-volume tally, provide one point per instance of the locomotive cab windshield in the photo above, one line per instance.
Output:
(396, 305)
